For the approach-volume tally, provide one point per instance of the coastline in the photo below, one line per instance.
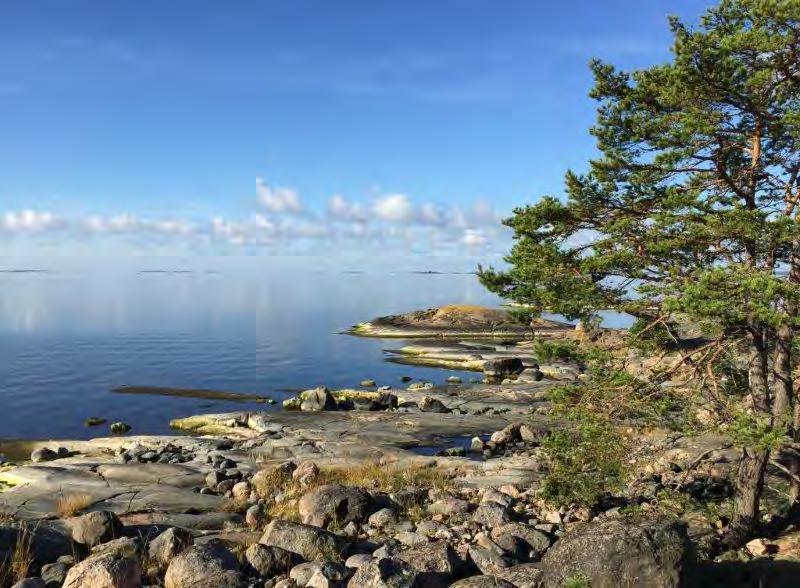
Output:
(473, 448)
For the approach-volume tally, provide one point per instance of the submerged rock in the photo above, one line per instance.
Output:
(119, 428)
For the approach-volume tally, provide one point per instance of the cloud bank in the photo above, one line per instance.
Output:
(279, 222)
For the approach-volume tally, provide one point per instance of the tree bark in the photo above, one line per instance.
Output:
(757, 370)
(749, 485)
(781, 386)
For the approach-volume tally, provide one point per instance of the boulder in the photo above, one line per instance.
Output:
(105, 571)
(318, 575)
(95, 527)
(500, 368)
(334, 503)
(54, 574)
(487, 560)
(621, 551)
(384, 401)
(268, 562)
(169, 544)
(317, 399)
(490, 514)
(201, 566)
(123, 547)
(428, 404)
(384, 573)
(527, 543)
(43, 454)
(437, 563)
(382, 518)
(310, 543)
(305, 473)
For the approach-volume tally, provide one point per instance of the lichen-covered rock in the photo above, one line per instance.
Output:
(527, 543)
(622, 551)
(334, 503)
(310, 543)
(54, 574)
(169, 544)
(317, 399)
(268, 561)
(95, 527)
(490, 514)
(384, 573)
(124, 547)
(437, 563)
(105, 571)
(201, 566)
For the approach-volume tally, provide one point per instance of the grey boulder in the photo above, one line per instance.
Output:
(105, 571)
(201, 566)
(310, 543)
(622, 551)
(95, 527)
(384, 573)
(334, 503)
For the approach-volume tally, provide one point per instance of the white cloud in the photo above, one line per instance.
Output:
(278, 200)
(28, 221)
(391, 220)
(430, 214)
(395, 208)
(474, 238)
(342, 209)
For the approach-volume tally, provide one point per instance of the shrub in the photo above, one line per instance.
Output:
(556, 350)
(585, 461)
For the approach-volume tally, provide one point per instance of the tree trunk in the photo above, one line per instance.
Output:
(757, 370)
(781, 386)
(749, 484)
(750, 476)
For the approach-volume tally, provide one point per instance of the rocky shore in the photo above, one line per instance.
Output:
(400, 484)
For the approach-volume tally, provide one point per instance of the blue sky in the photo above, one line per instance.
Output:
(303, 126)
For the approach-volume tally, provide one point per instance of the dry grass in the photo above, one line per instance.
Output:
(286, 510)
(71, 504)
(17, 566)
(372, 476)
(235, 505)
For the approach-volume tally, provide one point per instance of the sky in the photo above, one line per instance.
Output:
(273, 127)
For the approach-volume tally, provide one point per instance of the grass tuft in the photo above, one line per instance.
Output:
(19, 562)
(71, 504)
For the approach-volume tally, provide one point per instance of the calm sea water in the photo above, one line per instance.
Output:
(70, 335)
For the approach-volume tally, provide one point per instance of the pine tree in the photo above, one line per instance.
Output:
(691, 208)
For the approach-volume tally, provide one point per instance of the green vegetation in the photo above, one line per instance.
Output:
(585, 461)
(576, 581)
(547, 351)
(690, 211)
